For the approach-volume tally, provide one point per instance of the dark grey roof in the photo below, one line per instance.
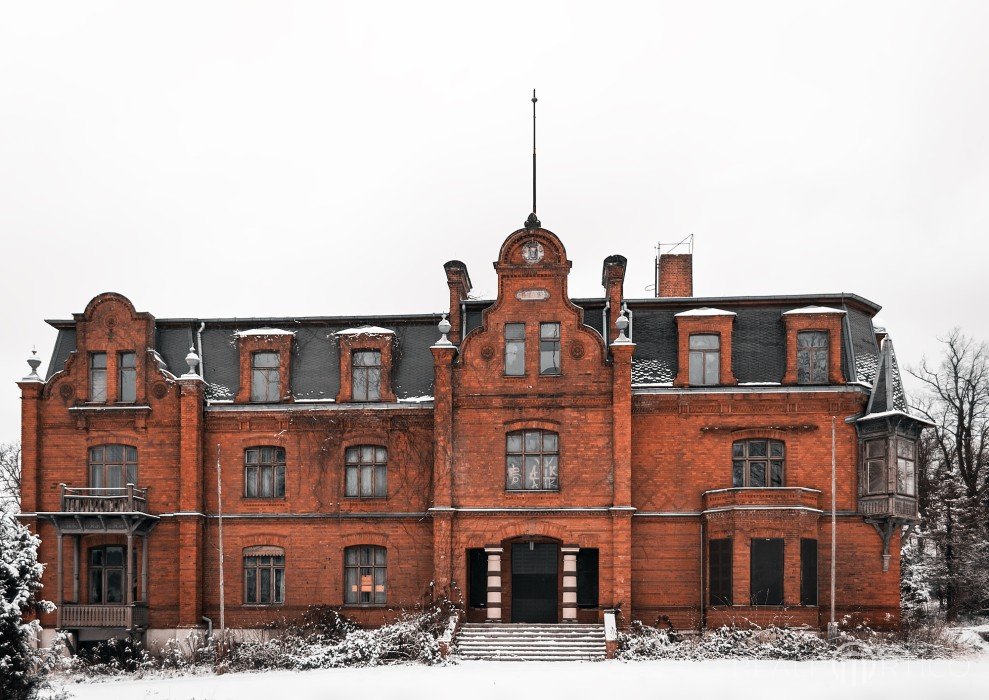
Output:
(887, 393)
(65, 344)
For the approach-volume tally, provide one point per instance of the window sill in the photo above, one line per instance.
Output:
(357, 499)
(525, 491)
(369, 606)
(262, 605)
(266, 499)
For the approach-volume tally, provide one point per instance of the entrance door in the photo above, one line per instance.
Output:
(534, 582)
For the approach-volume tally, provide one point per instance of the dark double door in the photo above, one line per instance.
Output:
(535, 582)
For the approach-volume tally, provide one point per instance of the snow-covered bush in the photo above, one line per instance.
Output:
(20, 582)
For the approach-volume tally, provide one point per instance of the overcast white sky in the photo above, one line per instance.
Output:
(277, 158)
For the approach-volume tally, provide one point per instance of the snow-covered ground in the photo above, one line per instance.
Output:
(958, 679)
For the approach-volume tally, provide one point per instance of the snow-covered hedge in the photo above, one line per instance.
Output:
(643, 642)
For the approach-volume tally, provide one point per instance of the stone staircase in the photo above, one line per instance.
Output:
(530, 642)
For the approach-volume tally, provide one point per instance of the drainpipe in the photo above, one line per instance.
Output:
(209, 626)
(604, 322)
(199, 349)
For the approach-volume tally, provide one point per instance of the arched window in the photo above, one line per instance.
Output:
(366, 471)
(364, 575)
(264, 472)
(264, 575)
(532, 461)
(757, 462)
(112, 466)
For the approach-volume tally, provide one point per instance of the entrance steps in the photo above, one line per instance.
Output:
(530, 642)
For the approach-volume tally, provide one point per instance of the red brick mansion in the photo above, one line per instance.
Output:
(534, 457)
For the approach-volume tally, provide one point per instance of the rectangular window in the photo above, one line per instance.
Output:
(127, 377)
(366, 367)
(705, 359)
(366, 472)
(265, 377)
(264, 580)
(515, 349)
(264, 472)
(808, 572)
(587, 578)
(477, 578)
(364, 575)
(532, 461)
(875, 466)
(549, 348)
(97, 377)
(812, 357)
(906, 480)
(720, 579)
(766, 572)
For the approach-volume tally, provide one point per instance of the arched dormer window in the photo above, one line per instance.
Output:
(532, 460)
(758, 462)
(112, 466)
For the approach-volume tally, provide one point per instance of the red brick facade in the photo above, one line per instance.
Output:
(644, 469)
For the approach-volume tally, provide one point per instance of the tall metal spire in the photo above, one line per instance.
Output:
(532, 222)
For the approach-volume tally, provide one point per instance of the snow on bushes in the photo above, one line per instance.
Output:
(781, 643)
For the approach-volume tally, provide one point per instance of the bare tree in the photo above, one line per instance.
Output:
(10, 474)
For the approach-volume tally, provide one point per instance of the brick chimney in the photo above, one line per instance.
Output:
(675, 275)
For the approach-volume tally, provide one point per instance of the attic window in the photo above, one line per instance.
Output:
(265, 377)
(812, 357)
(366, 367)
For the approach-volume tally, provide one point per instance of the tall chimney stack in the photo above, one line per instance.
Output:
(675, 271)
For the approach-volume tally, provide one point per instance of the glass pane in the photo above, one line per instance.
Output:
(128, 385)
(251, 456)
(351, 481)
(366, 555)
(266, 359)
(350, 585)
(696, 368)
(265, 585)
(803, 366)
(97, 383)
(738, 473)
(267, 482)
(114, 476)
(905, 477)
(775, 448)
(877, 476)
(96, 477)
(875, 448)
(549, 442)
(776, 473)
(128, 360)
(533, 473)
(98, 360)
(712, 367)
(380, 485)
(757, 448)
(514, 442)
(549, 331)
(131, 474)
(379, 586)
(704, 342)
(515, 357)
(130, 454)
(96, 557)
(351, 455)
(757, 473)
(251, 585)
(251, 488)
(374, 385)
(271, 385)
(279, 596)
(514, 471)
(258, 388)
(379, 556)
(819, 367)
(359, 382)
(115, 453)
(367, 454)
(366, 482)
(96, 585)
(904, 448)
(114, 556)
(738, 449)
(279, 481)
(550, 472)
(114, 586)
(351, 555)
(549, 357)
(380, 455)
(96, 454)
(532, 440)
(515, 331)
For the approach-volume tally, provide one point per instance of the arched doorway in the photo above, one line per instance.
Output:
(535, 584)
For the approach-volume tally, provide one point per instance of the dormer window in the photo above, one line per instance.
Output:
(515, 349)
(549, 348)
(97, 377)
(265, 377)
(705, 359)
(812, 357)
(366, 368)
(127, 377)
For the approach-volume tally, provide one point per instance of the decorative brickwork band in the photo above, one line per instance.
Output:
(494, 583)
(569, 583)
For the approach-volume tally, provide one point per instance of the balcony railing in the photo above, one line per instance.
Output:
(765, 497)
(889, 505)
(128, 499)
(72, 616)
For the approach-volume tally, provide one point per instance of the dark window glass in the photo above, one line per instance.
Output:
(875, 466)
(812, 357)
(128, 377)
(532, 461)
(364, 575)
(112, 467)
(265, 377)
(515, 349)
(106, 575)
(808, 572)
(264, 576)
(587, 578)
(705, 359)
(366, 369)
(97, 377)
(366, 471)
(264, 472)
(906, 482)
(766, 572)
(757, 463)
(720, 578)
(549, 348)
(477, 578)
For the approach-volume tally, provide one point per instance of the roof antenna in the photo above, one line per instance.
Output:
(532, 222)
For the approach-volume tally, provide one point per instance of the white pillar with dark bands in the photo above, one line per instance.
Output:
(494, 583)
(569, 583)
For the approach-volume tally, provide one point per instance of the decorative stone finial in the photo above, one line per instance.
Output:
(192, 359)
(532, 222)
(444, 328)
(621, 323)
(34, 362)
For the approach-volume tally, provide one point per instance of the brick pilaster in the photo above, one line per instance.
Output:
(191, 505)
(31, 390)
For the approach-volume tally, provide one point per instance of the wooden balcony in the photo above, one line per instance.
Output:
(889, 506)
(128, 499)
(73, 616)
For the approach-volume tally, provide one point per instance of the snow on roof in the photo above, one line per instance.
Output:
(813, 310)
(896, 412)
(366, 330)
(263, 331)
(705, 311)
